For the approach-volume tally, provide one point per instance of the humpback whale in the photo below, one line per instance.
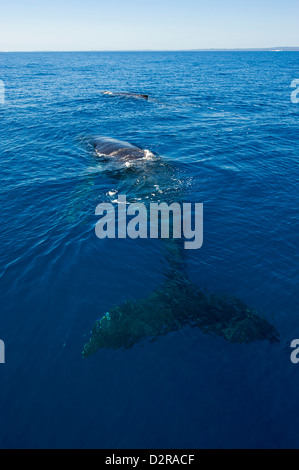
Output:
(128, 95)
(178, 301)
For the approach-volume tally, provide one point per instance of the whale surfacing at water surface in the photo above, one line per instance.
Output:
(126, 95)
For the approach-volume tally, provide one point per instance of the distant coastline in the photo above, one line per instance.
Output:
(273, 49)
(256, 49)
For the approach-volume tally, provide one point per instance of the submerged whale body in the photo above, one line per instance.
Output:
(177, 302)
(128, 95)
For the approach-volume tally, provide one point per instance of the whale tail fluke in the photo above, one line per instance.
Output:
(177, 303)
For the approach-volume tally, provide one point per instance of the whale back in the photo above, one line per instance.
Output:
(107, 146)
(129, 95)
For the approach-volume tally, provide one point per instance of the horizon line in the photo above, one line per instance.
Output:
(212, 49)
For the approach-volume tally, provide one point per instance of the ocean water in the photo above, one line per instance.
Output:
(225, 125)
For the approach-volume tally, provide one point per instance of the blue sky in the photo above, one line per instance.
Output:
(27, 25)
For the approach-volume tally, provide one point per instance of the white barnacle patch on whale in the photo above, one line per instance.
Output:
(148, 155)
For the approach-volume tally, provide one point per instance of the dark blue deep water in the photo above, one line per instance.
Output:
(226, 125)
